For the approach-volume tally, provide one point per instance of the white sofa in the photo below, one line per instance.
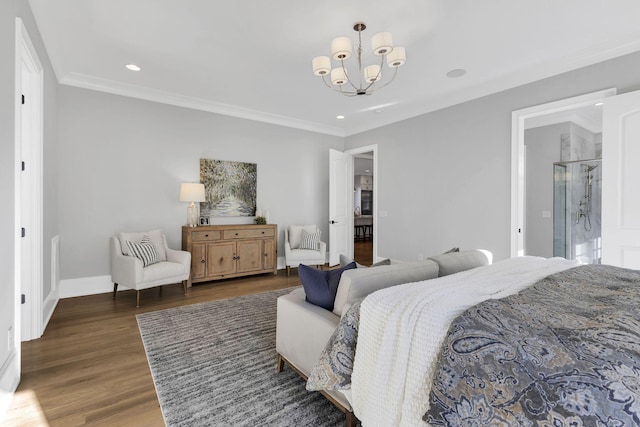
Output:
(303, 329)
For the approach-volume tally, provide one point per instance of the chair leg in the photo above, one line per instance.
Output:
(280, 364)
(115, 289)
(160, 290)
(288, 271)
(185, 287)
(137, 299)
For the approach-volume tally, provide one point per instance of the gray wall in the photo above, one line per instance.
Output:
(122, 161)
(542, 146)
(7, 167)
(453, 165)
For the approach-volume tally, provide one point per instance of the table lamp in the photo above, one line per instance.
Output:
(192, 192)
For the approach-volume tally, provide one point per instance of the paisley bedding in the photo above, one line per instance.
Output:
(563, 352)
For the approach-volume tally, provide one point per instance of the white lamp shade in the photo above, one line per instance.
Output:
(372, 73)
(382, 43)
(321, 65)
(338, 76)
(192, 192)
(341, 48)
(396, 58)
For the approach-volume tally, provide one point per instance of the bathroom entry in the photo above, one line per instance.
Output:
(563, 185)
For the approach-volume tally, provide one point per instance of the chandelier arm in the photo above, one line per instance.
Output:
(325, 82)
(347, 76)
(370, 86)
(395, 72)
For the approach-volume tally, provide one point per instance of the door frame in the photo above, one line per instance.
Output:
(361, 150)
(518, 118)
(29, 131)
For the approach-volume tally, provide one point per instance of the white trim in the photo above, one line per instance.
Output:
(518, 118)
(134, 91)
(376, 216)
(29, 147)
(82, 286)
(51, 301)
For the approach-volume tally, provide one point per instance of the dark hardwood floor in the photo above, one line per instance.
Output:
(363, 251)
(90, 367)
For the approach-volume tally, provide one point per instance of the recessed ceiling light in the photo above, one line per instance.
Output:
(132, 67)
(599, 104)
(340, 117)
(458, 72)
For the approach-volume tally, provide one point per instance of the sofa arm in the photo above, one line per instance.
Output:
(181, 257)
(323, 249)
(302, 330)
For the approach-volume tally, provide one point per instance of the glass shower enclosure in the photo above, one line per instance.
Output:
(577, 207)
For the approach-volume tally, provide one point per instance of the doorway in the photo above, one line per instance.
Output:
(364, 232)
(530, 218)
(363, 214)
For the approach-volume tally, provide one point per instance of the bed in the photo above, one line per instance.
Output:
(526, 341)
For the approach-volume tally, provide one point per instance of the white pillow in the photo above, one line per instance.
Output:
(310, 240)
(154, 235)
(295, 234)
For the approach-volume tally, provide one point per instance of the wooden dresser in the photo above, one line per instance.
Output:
(224, 251)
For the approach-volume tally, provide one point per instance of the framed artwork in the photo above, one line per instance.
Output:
(230, 188)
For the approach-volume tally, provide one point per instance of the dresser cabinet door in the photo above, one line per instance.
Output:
(249, 255)
(221, 258)
(268, 254)
(198, 260)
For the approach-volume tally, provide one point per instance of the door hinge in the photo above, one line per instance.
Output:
(23, 232)
(22, 99)
(23, 166)
(23, 299)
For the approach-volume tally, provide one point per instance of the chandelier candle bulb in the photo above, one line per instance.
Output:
(321, 65)
(372, 73)
(382, 43)
(341, 48)
(338, 76)
(396, 58)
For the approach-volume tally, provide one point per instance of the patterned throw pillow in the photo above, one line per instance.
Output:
(144, 251)
(310, 240)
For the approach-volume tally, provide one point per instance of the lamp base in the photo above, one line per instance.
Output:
(192, 216)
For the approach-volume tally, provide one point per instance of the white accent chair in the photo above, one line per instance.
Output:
(294, 256)
(126, 270)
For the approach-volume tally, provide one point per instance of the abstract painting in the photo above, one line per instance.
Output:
(230, 188)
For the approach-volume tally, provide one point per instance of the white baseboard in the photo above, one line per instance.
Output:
(48, 307)
(82, 286)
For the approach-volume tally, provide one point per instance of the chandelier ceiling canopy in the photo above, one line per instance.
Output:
(368, 79)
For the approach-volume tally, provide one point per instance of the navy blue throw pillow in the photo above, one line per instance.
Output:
(321, 286)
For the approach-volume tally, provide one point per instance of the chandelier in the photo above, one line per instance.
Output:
(365, 84)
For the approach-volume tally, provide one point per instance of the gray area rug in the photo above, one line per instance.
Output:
(213, 364)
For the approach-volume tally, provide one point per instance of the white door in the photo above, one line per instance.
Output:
(621, 181)
(339, 204)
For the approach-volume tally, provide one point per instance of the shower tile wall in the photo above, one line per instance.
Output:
(585, 232)
(582, 234)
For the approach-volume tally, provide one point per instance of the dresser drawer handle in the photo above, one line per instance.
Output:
(202, 261)
(236, 234)
(206, 235)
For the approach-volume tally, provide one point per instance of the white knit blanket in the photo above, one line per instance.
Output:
(402, 328)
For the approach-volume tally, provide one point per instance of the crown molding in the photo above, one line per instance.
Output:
(140, 92)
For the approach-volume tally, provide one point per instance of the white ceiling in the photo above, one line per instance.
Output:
(252, 58)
